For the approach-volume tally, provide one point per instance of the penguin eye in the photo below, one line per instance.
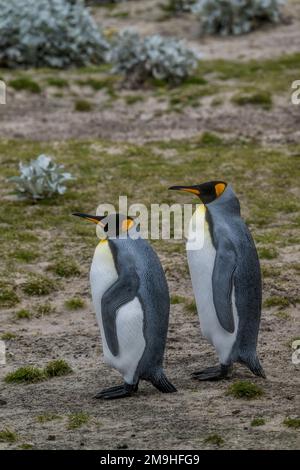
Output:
(106, 228)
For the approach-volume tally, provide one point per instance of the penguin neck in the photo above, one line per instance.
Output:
(199, 228)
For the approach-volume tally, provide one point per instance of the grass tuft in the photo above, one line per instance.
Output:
(8, 436)
(45, 418)
(260, 98)
(74, 304)
(293, 423)
(23, 313)
(214, 439)
(8, 297)
(8, 336)
(277, 301)
(83, 106)
(77, 420)
(245, 389)
(65, 267)
(25, 83)
(177, 299)
(267, 253)
(57, 82)
(39, 285)
(57, 368)
(258, 422)
(27, 374)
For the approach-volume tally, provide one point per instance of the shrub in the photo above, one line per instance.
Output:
(51, 33)
(139, 59)
(236, 17)
(25, 83)
(40, 179)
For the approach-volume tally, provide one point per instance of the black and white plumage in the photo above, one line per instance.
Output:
(226, 279)
(131, 298)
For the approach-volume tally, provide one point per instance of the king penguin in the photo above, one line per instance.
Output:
(131, 298)
(226, 279)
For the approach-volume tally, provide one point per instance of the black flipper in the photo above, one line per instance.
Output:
(120, 391)
(213, 373)
(222, 283)
(120, 293)
(162, 384)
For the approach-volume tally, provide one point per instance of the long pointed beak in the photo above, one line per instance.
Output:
(187, 189)
(96, 219)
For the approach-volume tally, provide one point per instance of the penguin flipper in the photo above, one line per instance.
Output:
(222, 281)
(120, 293)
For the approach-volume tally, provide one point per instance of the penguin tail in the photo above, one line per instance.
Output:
(253, 363)
(160, 381)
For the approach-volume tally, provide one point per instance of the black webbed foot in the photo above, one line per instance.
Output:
(119, 391)
(213, 373)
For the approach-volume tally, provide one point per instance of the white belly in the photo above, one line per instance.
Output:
(129, 317)
(201, 263)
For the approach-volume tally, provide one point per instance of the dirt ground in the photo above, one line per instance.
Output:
(150, 420)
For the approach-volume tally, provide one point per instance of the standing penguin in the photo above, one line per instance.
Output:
(131, 298)
(226, 279)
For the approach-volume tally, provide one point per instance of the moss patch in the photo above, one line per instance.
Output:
(245, 389)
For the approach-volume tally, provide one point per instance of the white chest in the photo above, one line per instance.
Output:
(201, 260)
(129, 319)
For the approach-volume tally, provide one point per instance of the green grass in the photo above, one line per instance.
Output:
(25, 256)
(44, 310)
(267, 253)
(245, 390)
(133, 99)
(214, 439)
(25, 83)
(277, 301)
(74, 304)
(258, 422)
(57, 82)
(65, 267)
(83, 106)
(23, 313)
(39, 286)
(31, 374)
(8, 296)
(47, 417)
(77, 420)
(6, 435)
(293, 423)
(270, 271)
(8, 336)
(57, 368)
(27, 374)
(177, 299)
(191, 307)
(208, 138)
(259, 98)
(26, 446)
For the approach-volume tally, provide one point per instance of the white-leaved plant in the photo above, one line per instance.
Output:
(40, 179)
(50, 33)
(139, 59)
(225, 17)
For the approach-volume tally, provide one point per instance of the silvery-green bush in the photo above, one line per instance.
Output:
(152, 57)
(41, 179)
(51, 33)
(236, 17)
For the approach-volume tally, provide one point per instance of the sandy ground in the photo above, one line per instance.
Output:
(151, 420)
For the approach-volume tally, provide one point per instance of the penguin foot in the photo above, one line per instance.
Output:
(119, 391)
(213, 373)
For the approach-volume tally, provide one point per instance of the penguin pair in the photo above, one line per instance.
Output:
(131, 298)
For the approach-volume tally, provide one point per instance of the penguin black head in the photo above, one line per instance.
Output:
(207, 192)
(113, 225)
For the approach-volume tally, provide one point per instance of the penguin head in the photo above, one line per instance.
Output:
(207, 192)
(112, 225)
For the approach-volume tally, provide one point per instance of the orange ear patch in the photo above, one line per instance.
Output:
(127, 224)
(220, 187)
